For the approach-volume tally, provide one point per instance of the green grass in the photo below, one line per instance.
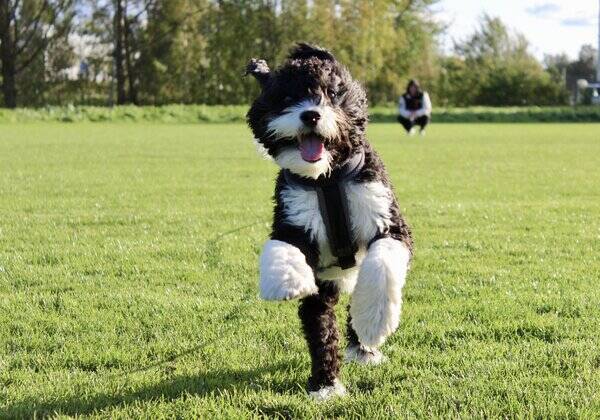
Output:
(189, 114)
(128, 276)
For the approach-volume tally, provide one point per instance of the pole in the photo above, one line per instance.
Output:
(598, 68)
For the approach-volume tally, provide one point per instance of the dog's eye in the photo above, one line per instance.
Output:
(288, 99)
(331, 93)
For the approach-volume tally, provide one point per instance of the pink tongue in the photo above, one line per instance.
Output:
(311, 149)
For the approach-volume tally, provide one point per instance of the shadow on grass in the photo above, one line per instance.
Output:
(206, 384)
(178, 386)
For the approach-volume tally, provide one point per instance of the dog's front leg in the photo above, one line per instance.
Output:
(377, 298)
(320, 329)
(284, 272)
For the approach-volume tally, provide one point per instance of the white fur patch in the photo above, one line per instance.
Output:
(291, 158)
(364, 355)
(369, 209)
(262, 150)
(289, 124)
(327, 392)
(369, 206)
(377, 298)
(284, 273)
(301, 208)
(345, 279)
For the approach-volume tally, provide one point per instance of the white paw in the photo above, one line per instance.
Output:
(327, 392)
(364, 355)
(377, 297)
(284, 273)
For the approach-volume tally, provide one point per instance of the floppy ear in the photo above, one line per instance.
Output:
(259, 69)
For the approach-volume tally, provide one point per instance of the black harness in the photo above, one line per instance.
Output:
(413, 103)
(333, 206)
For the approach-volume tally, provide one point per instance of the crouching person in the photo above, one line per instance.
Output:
(414, 108)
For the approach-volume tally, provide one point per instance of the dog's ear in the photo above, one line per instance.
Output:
(260, 70)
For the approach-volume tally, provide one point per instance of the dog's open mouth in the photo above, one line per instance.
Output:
(311, 148)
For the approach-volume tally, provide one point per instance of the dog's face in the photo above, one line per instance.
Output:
(310, 114)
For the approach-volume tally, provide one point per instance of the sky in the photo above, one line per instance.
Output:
(553, 26)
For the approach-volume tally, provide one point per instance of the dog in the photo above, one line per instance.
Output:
(337, 226)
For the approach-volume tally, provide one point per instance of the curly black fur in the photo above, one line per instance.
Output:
(320, 329)
(351, 336)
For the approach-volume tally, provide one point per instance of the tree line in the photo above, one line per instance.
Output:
(158, 52)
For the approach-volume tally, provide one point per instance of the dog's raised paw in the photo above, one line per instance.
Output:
(377, 296)
(364, 355)
(284, 273)
(328, 391)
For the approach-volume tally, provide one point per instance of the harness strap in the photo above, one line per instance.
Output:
(378, 236)
(333, 206)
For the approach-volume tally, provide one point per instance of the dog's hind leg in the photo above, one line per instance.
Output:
(377, 297)
(320, 330)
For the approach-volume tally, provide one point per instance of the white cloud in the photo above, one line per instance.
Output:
(543, 10)
(578, 21)
(552, 26)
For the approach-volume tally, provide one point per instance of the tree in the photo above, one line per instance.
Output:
(492, 41)
(584, 67)
(172, 61)
(117, 25)
(556, 66)
(237, 30)
(151, 51)
(497, 69)
(193, 51)
(27, 29)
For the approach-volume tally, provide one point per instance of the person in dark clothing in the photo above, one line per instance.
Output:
(414, 108)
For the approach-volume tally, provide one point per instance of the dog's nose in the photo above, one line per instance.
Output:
(310, 118)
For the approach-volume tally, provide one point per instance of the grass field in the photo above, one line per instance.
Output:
(128, 276)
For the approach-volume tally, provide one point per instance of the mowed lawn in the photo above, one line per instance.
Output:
(128, 276)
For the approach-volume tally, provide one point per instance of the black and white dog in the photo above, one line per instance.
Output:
(337, 225)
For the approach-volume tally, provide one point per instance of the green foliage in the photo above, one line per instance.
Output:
(189, 114)
(129, 264)
(194, 52)
(493, 67)
(128, 113)
(385, 43)
(172, 64)
(35, 51)
(382, 41)
(557, 66)
(479, 114)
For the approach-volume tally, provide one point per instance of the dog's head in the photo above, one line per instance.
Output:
(310, 114)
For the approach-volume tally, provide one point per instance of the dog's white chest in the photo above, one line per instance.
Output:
(368, 204)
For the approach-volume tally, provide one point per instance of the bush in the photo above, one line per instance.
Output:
(499, 115)
(193, 114)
